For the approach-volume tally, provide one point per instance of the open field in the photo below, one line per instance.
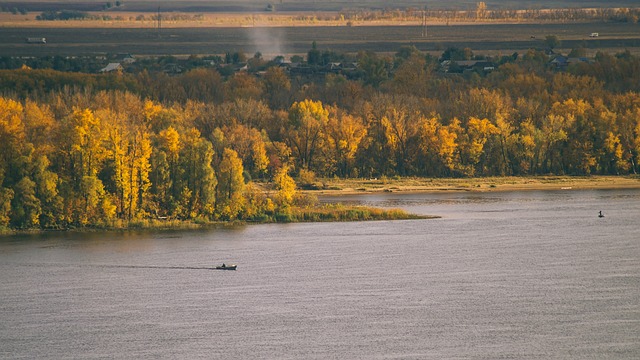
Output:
(273, 41)
(309, 5)
(563, 183)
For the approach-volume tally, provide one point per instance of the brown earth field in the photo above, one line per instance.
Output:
(486, 38)
(334, 187)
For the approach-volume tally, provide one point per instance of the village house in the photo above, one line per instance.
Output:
(467, 65)
(111, 67)
(561, 61)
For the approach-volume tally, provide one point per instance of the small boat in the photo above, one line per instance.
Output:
(226, 267)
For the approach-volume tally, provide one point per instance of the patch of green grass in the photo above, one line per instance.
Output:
(339, 212)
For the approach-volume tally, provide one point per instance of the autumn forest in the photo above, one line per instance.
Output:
(81, 150)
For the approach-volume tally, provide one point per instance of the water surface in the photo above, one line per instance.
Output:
(517, 275)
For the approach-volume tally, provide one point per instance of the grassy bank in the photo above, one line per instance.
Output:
(339, 212)
(485, 184)
(320, 213)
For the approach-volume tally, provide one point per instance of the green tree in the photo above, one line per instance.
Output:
(6, 196)
(277, 88)
(198, 183)
(47, 192)
(26, 207)
(552, 41)
(314, 56)
(374, 68)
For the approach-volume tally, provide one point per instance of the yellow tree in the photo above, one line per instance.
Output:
(471, 144)
(129, 151)
(230, 200)
(401, 129)
(95, 206)
(554, 132)
(279, 155)
(579, 156)
(285, 188)
(39, 125)
(28, 189)
(344, 135)
(637, 140)
(530, 143)
(630, 135)
(483, 104)
(305, 137)
(501, 147)
(82, 135)
(166, 176)
(137, 169)
(257, 204)
(251, 148)
(438, 147)
(86, 136)
(13, 138)
(614, 154)
(117, 144)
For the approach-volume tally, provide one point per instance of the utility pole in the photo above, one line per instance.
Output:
(424, 22)
(159, 21)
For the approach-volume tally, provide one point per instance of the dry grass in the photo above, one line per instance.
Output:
(355, 186)
(128, 20)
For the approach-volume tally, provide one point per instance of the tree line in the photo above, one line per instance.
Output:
(83, 150)
(481, 13)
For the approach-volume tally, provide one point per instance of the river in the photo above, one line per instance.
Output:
(502, 275)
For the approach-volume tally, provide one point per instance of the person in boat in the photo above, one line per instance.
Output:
(600, 214)
(223, 265)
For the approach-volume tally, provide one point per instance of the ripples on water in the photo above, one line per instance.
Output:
(522, 275)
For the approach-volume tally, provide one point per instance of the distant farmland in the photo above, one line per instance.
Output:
(488, 38)
(309, 5)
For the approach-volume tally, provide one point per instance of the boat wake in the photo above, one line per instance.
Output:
(115, 266)
(157, 267)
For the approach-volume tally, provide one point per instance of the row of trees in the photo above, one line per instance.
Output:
(480, 13)
(483, 13)
(79, 149)
(94, 159)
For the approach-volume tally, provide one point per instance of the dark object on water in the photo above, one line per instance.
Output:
(600, 214)
(226, 267)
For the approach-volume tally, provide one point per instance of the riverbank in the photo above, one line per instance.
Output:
(313, 213)
(342, 213)
(362, 186)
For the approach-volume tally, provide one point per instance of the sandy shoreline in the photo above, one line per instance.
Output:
(334, 187)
